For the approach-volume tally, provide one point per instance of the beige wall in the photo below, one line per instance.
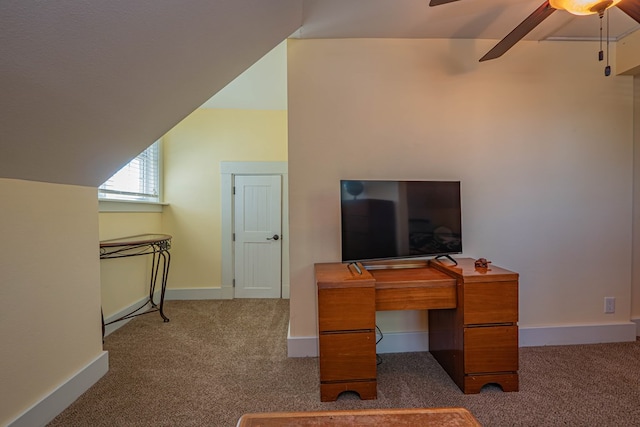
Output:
(628, 54)
(544, 156)
(50, 289)
(193, 151)
(540, 139)
(192, 154)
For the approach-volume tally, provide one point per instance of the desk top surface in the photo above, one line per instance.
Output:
(466, 268)
(139, 239)
(432, 273)
(338, 275)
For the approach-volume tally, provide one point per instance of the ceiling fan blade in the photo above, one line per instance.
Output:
(631, 8)
(439, 2)
(520, 31)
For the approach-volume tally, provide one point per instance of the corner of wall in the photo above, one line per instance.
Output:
(58, 400)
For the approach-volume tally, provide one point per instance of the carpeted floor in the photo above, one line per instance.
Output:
(216, 360)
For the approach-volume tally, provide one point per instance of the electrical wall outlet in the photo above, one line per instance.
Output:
(609, 304)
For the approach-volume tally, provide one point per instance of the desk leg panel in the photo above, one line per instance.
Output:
(507, 381)
(446, 342)
(367, 390)
(348, 356)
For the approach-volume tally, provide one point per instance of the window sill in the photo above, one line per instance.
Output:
(129, 206)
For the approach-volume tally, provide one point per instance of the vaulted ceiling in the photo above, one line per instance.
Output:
(467, 19)
(85, 86)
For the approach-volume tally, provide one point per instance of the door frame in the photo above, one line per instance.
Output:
(227, 172)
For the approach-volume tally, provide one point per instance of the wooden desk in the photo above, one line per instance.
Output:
(473, 315)
(437, 417)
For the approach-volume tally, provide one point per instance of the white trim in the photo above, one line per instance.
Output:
(577, 334)
(301, 346)
(637, 322)
(129, 206)
(253, 168)
(227, 171)
(405, 342)
(226, 231)
(198, 294)
(64, 395)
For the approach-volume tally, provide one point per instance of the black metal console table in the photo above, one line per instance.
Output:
(158, 246)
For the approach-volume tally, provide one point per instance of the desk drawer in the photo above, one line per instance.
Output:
(346, 309)
(349, 356)
(432, 297)
(491, 349)
(490, 302)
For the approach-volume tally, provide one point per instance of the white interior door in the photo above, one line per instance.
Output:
(258, 236)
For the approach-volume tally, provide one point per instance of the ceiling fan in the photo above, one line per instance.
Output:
(576, 7)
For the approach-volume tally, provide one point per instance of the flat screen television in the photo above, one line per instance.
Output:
(399, 219)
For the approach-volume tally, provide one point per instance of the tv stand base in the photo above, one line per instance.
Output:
(473, 383)
(367, 390)
(473, 329)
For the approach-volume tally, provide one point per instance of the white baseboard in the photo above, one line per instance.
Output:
(286, 291)
(405, 342)
(301, 346)
(637, 322)
(577, 334)
(114, 326)
(198, 293)
(57, 401)
(209, 293)
(170, 294)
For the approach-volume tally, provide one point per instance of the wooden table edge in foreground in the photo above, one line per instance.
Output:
(453, 417)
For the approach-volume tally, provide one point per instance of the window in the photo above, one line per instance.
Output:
(137, 181)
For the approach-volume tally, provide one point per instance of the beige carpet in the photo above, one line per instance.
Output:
(217, 360)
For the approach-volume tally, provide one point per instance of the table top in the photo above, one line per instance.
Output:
(383, 417)
(466, 268)
(139, 239)
(335, 274)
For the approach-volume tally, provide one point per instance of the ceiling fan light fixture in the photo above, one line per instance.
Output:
(583, 7)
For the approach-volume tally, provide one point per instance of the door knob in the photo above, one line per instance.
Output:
(275, 237)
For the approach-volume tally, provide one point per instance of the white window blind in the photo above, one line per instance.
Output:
(138, 181)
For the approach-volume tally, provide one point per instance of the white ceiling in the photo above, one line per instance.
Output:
(263, 86)
(470, 19)
(86, 85)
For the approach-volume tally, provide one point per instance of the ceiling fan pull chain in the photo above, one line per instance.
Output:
(607, 69)
(601, 53)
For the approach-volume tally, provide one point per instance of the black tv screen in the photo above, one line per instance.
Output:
(400, 219)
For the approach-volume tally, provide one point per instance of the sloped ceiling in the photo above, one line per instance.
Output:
(85, 86)
(263, 86)
(466, 19)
